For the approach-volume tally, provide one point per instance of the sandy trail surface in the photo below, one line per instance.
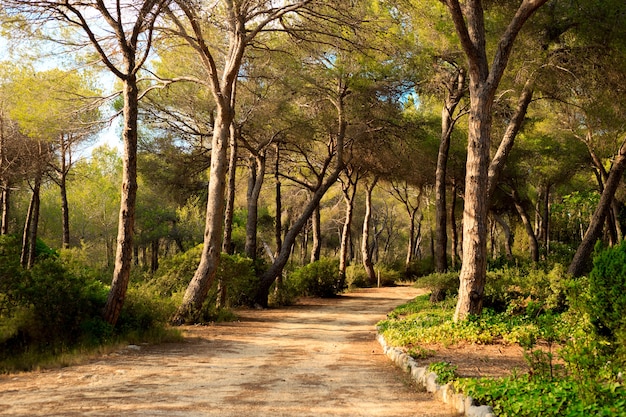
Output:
(318, 358)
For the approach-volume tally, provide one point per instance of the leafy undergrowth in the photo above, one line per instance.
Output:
(581, 381)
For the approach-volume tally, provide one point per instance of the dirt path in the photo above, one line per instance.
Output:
(318, 358)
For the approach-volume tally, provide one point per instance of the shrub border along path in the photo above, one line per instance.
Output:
(428, 379)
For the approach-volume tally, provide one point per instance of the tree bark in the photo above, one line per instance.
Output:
(316, 227)
(528, 226)
(213, 232)
(65, 212)
(366, 257)
(349, 191)
(578, 266)
(255, 182)
(508, 236)
(125, 232)
(227, 245)
(29, 239)
(456, 88)
(469, 23)
(6, 200)
(455, 235)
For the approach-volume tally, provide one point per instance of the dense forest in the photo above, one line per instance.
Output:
(272, 149)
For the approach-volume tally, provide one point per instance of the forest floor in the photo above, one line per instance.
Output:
(317, 358)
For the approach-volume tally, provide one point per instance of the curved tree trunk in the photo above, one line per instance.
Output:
(267, 279)
(366, 256)
(578, 265)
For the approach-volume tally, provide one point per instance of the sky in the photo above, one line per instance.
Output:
(108, 136)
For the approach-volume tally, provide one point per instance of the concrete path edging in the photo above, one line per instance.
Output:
(421, 375)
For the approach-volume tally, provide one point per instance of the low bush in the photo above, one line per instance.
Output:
(606, 298)
(419, 268)
(440, 284)
(356, 277)
(318, 279)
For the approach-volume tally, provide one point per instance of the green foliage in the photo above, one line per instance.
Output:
(418, 352)
(53, 310)
(419, 268)
(318, 279)
(514, 289)
(447, 282)
(388, 275)
(525, 396)
(144, 310)
(606, 303)
(236, 271)
(446, 372)
(356, 277)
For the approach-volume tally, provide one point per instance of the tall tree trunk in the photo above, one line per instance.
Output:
(508, 139)
(6, 194)
(316, 227)
(349, 192)
(470, 26)
(125, 231)
(255, 182)
(412, 242)
(65, 212)
(456, 88)
(154, 255)
(213, 232)
(532, 237)
(29, 239)
(455, 235)
(278, 230)
(366, 257)
(578, 265)
(227, 245)
(508, 236)
(545, 222)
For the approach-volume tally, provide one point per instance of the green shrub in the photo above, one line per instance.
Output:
(446, 372)
(356, 277)
(318, 279)
(388, 276)
(509, 288)
(236, 271)
(419, 268)
(444, 283)
(606, 303)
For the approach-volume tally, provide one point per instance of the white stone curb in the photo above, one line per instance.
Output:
(446, 393)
